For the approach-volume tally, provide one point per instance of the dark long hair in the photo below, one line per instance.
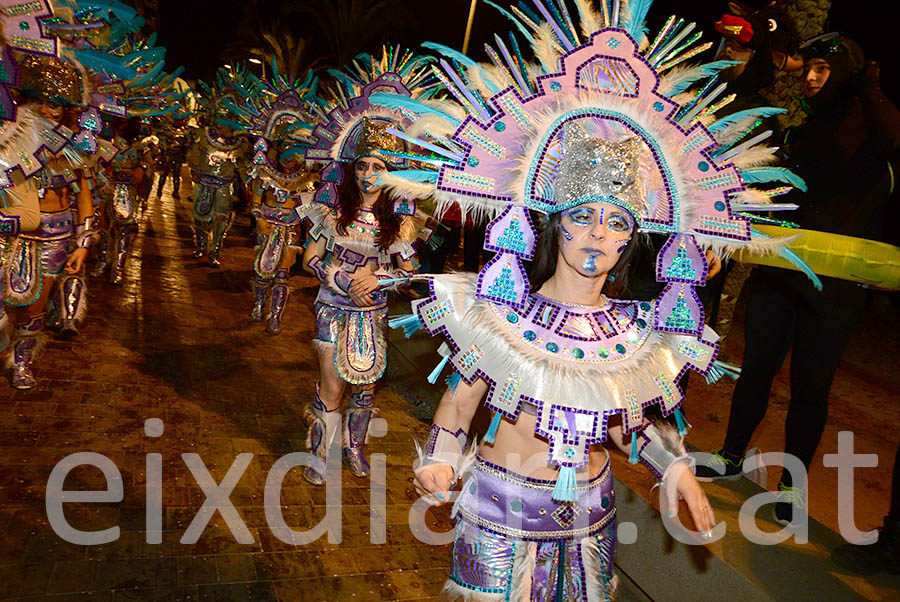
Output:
(350, 200)
(547, 252)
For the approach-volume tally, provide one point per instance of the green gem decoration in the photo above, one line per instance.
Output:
(577, 353)
(552, 347)
(603, 352)
(645, 306)
(620, 348)
(604, 502)
(529, 335)
(499, 126)
(703, 166)
(641, 323)
(512, 317)
(515, 505)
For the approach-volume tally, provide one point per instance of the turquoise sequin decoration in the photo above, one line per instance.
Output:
(512, 239)
(503, 287)
(681, 267)
(681, 316)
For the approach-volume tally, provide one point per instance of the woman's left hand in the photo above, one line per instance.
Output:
(687, 488)
(364, 285)
(76, 261)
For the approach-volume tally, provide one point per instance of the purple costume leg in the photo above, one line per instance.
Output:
(356, 427)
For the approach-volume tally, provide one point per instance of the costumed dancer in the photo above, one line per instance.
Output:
(360, 247)
(174, 142)
(21, 136)
(612, 140)
(282, 190)
(214, 160)
(281, 187)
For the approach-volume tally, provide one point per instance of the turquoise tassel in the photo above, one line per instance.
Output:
(410, 323)
(453, 381)
(492, 430)
(679, 420)
(565, 485)
(432, 378)
(720, 369)
(633, 456)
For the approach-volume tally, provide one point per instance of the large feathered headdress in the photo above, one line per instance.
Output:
(354, 127)
(643, 125)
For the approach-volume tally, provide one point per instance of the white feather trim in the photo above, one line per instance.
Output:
(755, 156)
(546, 50)
(523, 571)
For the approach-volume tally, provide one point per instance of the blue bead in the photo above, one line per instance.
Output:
(552, 347)
(645, 306)
(720, 206)
(577, 353)
(473, 161)
(703, 166)
(620, 348)
(24, 26)
(641, 323)
(512, 318)
(604, 502)
(658, 106)
(499, 126)
(529, 335)
(555, 86)
(515, 505)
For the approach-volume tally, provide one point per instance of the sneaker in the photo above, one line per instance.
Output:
(720, 465)
(788, 499)
(883, 556)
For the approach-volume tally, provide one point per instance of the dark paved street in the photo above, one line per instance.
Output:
(175, 342)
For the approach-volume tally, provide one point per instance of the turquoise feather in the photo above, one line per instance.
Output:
(512, 18)
(760, 175)
(760, 113)
(397, 101)
(703, 71)
(794, 259)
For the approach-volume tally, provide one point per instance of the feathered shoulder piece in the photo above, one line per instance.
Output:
(605, 114)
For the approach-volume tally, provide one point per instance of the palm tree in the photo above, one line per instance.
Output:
(349, 25)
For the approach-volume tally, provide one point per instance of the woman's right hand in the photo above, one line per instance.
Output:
(435, 480)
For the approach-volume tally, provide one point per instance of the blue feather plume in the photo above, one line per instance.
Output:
(685, 80)
(758, 175)
(396, 101)
(512, 18)
(463, 60)
(759, 113)
(636, 25)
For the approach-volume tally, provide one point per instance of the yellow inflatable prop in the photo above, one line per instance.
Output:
(868, 262)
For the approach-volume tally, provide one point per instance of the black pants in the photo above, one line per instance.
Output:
(176, 179)
(435, 260)
(895, 489)
(785, 312)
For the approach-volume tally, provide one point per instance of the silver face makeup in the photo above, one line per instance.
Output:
(594, 235)
(366, 170)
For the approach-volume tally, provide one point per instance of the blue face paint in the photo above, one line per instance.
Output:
(590, 263)
(565, 234)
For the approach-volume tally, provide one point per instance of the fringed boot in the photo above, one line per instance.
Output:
(323, 426)
(357, 417)
(280, 292)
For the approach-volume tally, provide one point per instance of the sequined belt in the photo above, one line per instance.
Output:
(523, 508)
(205, 179)
(54, 226)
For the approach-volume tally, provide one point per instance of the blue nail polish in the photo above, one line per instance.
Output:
(441, 496)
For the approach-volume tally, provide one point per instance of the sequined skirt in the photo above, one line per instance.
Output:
(38, 254)
(211, 194)
(508, 522)
(358, 337)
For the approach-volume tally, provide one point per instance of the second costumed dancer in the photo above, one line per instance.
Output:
(361, 247)
(609, 143)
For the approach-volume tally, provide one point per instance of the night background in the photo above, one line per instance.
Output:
(203, 34)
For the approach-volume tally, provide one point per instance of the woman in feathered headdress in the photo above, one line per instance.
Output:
(361, 247)
(610, 135)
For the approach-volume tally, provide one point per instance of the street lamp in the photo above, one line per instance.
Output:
(259, 62)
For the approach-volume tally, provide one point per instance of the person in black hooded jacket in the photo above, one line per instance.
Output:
(844, 151)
